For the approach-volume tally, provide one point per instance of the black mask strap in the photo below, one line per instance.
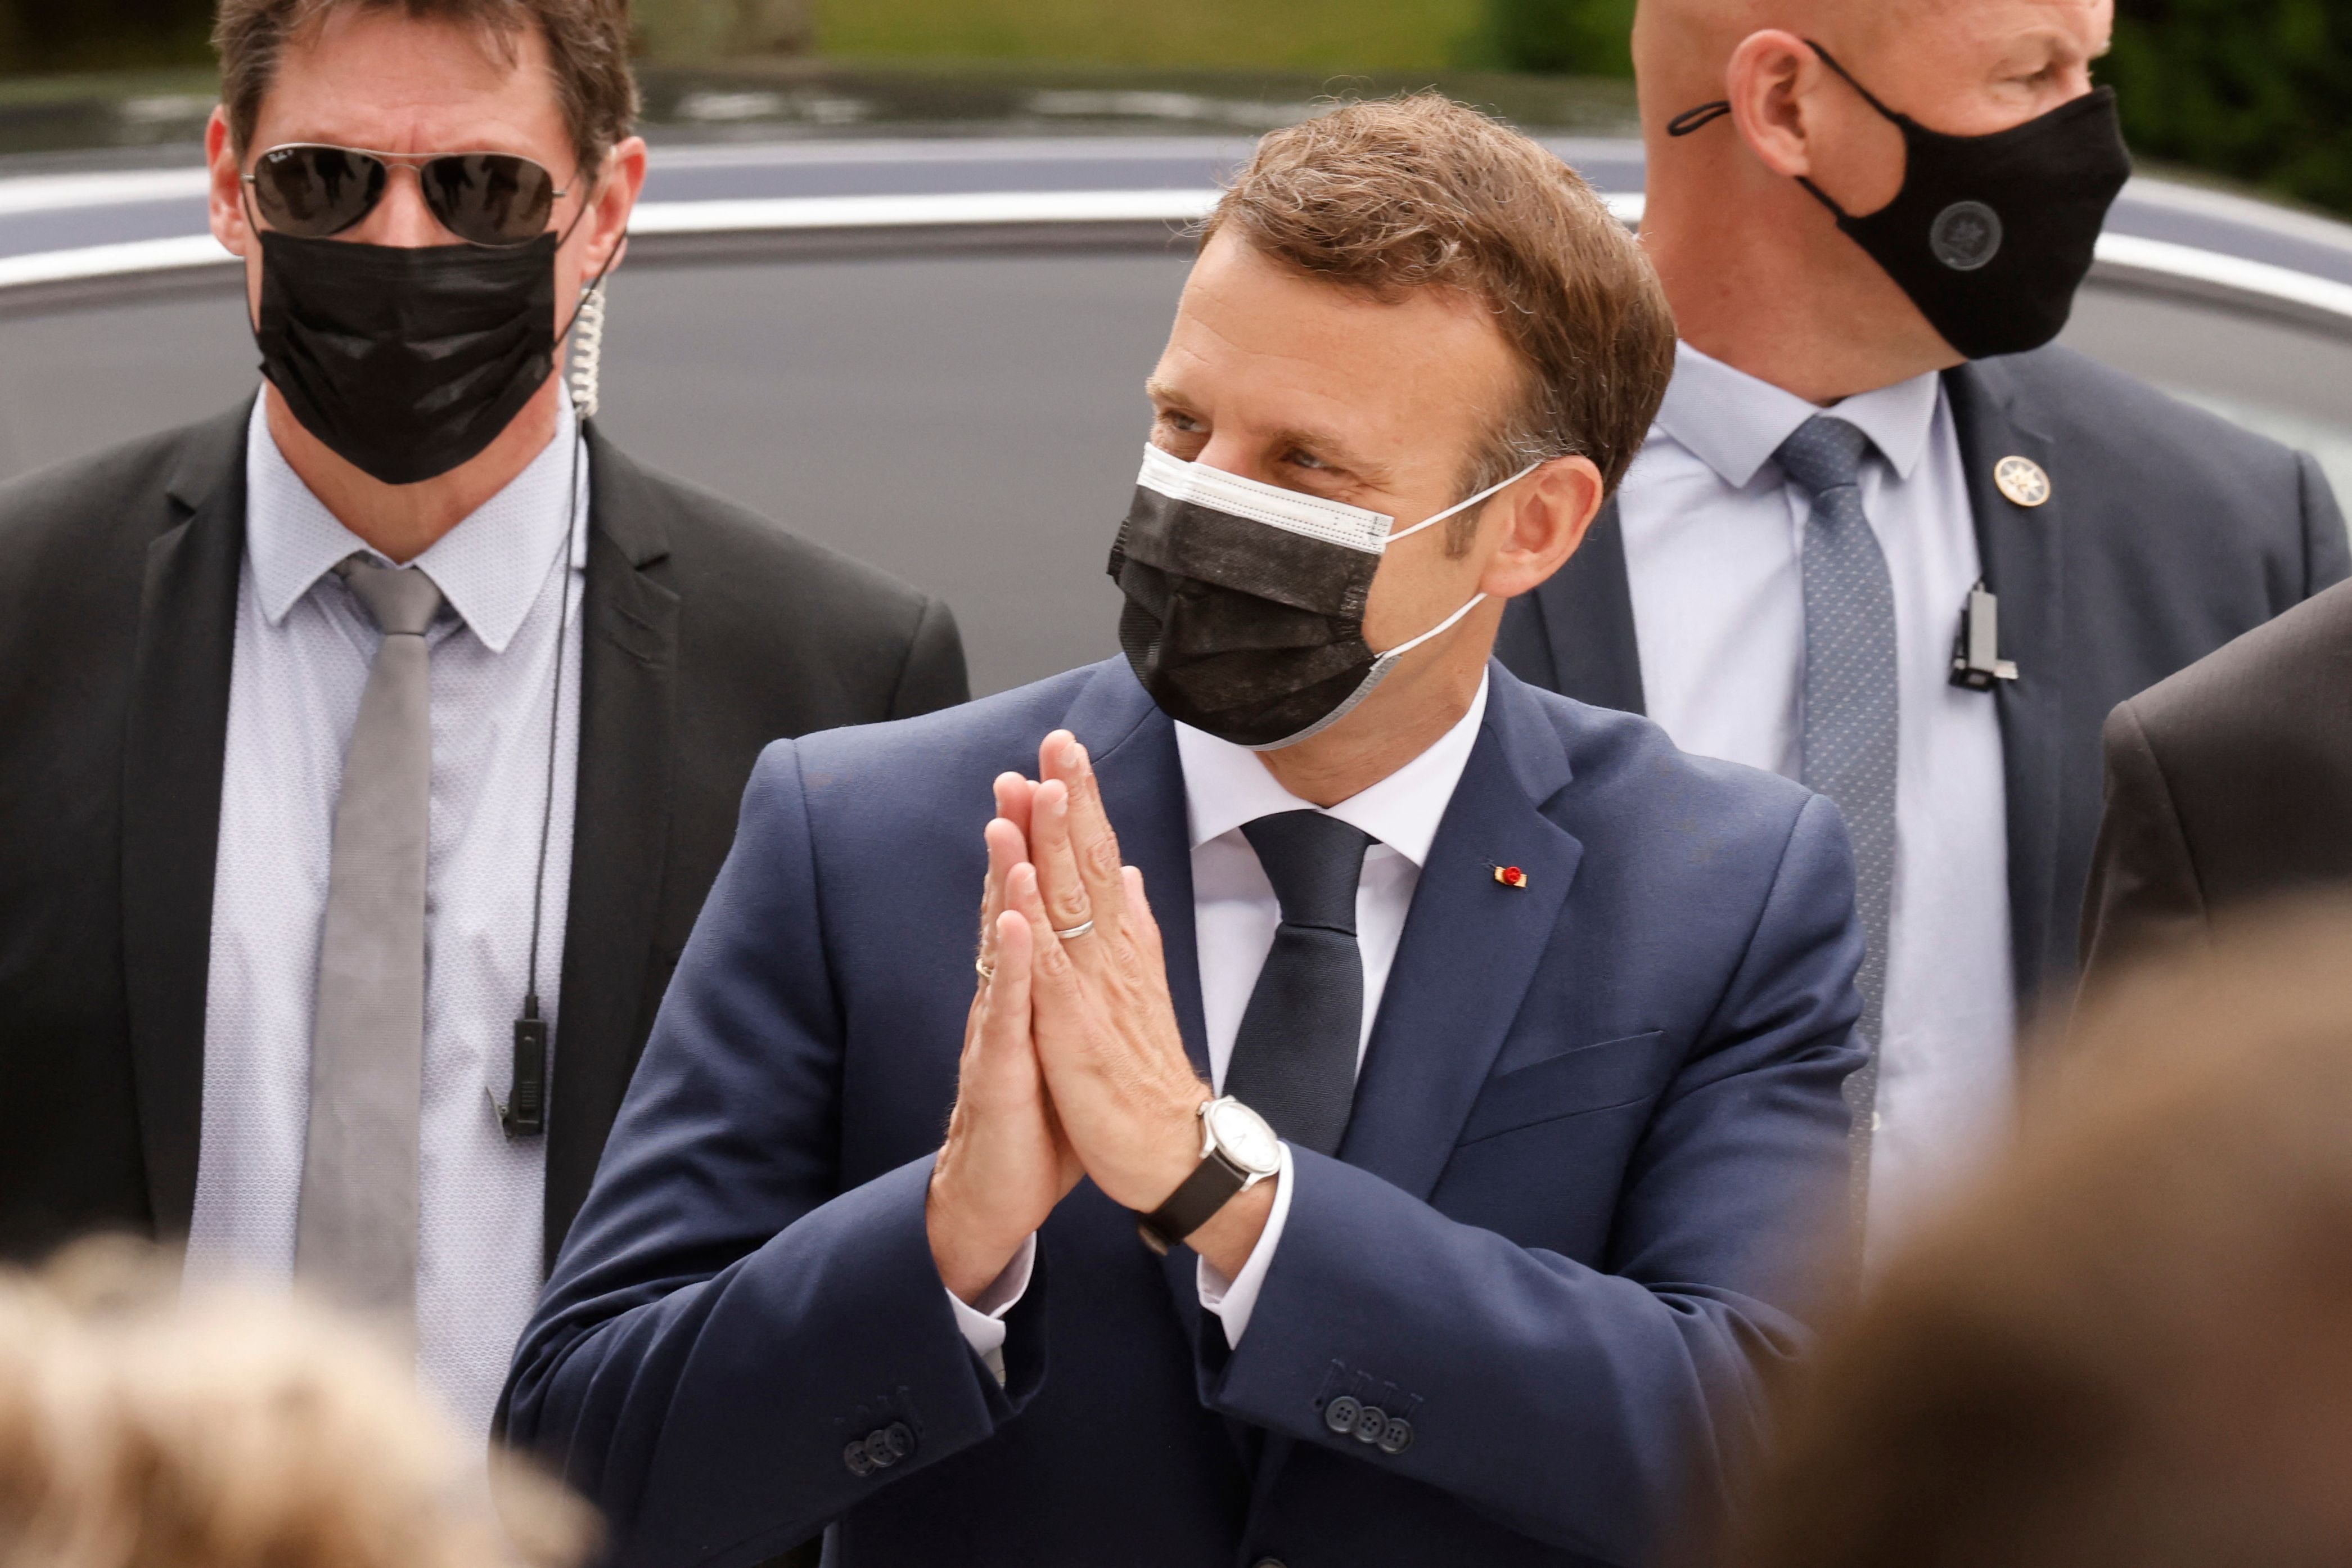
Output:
(1868, 96)
(1698, 119)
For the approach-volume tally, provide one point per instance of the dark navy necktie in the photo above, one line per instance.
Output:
(1294, 1060)
(1853, 707)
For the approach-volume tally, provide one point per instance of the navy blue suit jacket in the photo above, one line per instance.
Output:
(1596, 1132)
(2167, 534)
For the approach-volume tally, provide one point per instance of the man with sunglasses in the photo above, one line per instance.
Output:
(370, 749)
(1885, 538)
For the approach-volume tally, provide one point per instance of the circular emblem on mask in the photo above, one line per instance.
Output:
(1967, 235)
(2022, 480)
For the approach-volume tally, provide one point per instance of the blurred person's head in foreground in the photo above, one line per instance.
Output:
(235, 1429)
(1844, 194)
(2133, 1345)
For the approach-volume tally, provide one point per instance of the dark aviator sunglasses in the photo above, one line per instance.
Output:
(313, 191)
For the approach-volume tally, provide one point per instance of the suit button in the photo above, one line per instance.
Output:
(1340, 1415)
(856, 1458)
(1370, 1421)
(1268, 1562)
(1397, 1436)
(900, 1439)
(879, 1451)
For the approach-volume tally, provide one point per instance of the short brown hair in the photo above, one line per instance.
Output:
(2133, 1345)
(587, 50)
(1419, 192)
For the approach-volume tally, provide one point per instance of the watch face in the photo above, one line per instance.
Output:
(1244, 1137)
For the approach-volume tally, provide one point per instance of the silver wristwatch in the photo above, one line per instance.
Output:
(1238, 1151)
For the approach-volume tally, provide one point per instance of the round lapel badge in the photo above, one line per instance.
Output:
(2022, 480)
(1965, 235)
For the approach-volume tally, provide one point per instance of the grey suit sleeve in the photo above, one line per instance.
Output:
(933, 676)
(2327, 551)
(2144, 892)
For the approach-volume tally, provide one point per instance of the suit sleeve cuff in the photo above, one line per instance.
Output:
(982, 1321)
(1233, 1300)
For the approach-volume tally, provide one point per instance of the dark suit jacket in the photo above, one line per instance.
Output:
(2167, 533)
(1567, 1224)
(2227, 785)
(708, 633)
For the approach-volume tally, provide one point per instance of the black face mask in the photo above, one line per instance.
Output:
(406, 363)
(1244, 612)
(1991, 235)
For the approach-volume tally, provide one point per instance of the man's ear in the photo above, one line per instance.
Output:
(225, 196)
(616, 200)
(1545, 523)
(1770, 85)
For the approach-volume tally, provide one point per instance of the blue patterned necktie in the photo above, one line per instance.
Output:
(1852, 705)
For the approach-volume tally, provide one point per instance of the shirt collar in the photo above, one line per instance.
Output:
(1226, 785)
(491, 567)
(1734, 421)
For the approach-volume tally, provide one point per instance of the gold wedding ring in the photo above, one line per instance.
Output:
(986, 971)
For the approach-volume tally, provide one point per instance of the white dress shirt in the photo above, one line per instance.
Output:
(1234, 914)
(1714, 542)
(303, 648)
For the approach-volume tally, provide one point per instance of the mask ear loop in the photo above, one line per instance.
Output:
(1867, 97)
(1698, 119)
(1707, 114)
(1464, 506)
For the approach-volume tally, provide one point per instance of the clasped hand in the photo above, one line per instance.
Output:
(1072, 1065)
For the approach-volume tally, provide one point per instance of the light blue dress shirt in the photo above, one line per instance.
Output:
(1714, 540)
(303, 646)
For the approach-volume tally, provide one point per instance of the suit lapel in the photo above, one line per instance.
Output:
(629, 631)
(1470, 947)
(173, 749)
(1143, 778)
(2023, 554)
(1574, 635)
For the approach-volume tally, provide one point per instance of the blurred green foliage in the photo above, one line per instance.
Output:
(1572, 37)
(1267, 35)
(2258, 89)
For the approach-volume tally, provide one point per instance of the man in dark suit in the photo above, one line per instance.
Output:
(1477, 1083)
(2227, 785)
(193, 908)
(1868, 217)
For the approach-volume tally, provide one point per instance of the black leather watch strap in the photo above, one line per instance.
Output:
(1210, 1187)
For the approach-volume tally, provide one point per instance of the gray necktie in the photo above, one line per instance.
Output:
(1853, 705)
(356, 1234)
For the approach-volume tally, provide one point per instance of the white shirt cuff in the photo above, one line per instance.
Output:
(1235, 1300)
(982, 1321)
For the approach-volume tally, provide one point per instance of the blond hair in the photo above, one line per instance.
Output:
(235, 1429)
